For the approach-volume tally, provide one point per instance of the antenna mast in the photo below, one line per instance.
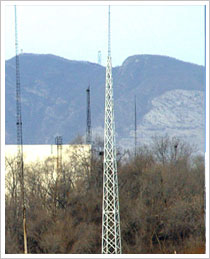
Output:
(109, 35)
(88, 127)
(135, 127)
(111, 236)
(20, 165)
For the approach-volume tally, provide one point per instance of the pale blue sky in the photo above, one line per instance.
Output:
(79, 32)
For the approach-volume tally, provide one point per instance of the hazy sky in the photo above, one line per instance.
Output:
(78, 32)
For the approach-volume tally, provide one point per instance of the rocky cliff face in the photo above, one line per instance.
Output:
(170, 99)
(175, 113)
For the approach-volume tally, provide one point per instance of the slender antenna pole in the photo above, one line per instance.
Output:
(20, 165)
(88, 126)
(135, 143)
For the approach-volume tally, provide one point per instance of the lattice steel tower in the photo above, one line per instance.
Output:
(111, 236)
(20, 165)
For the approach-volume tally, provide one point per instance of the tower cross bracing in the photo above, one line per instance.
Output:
(111, 236)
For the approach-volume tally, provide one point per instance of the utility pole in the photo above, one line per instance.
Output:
(135, 126)
(88, 126)
(111, 236)
(20, 165)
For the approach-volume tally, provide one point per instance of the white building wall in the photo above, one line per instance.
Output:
(76, 159)
(39, 153)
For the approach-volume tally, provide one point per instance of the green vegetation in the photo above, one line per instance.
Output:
(162, 203)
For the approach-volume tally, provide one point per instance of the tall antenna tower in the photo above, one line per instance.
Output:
(111, 236)
(20, 166)
(135, 126)
(88, 127)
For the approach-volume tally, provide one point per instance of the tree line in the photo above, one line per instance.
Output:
(161, 192)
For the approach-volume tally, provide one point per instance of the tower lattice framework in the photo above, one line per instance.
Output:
(111, 236)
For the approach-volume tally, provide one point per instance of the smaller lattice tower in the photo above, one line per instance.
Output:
(59, 142)
(88, 126)
(58, 180)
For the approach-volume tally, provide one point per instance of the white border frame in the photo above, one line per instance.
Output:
(3, 4)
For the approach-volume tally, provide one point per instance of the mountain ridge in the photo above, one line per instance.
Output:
(54, 94)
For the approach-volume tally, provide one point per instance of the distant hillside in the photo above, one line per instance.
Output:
(54, 98)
